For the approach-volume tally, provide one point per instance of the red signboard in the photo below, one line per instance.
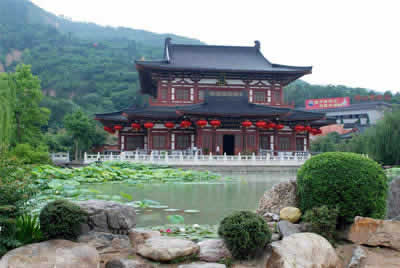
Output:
(328, 103)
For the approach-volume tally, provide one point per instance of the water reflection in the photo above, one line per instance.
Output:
(214, 201)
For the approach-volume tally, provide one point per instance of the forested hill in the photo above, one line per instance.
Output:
(80, 64)
(92, 67)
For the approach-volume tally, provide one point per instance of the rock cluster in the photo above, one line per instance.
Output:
(372, 232)
(291, 214)
(213, 250)
(306, 250)
(280, 196)
(107, 216)
(50, 254)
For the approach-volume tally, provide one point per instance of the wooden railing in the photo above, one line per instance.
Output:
(270, 158)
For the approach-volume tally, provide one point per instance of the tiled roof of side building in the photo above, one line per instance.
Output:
(114, 116)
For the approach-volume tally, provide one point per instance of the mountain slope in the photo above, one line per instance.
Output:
(96, 73)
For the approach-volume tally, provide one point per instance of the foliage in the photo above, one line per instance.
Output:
(355, 184)
(27, 155)
(7, 106)
(56, 183)
(244, 233)
(193, 232)
(28, 229)
(15, 190)
(61, 219)
(392, 173)
(175, 219)
(83, 132)
(29, 116)
(58, 140)
(323, 221)
(326, 143)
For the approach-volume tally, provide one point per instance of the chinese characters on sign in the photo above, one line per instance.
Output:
(328, 103)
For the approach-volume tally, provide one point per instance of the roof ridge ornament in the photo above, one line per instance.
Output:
(257, 44)
(166, 50)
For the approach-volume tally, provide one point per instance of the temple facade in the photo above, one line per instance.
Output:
(214, 99)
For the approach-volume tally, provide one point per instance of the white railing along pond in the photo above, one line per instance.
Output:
(60, 157)
(267, 159)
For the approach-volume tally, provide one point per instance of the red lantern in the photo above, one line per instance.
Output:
(261, 124)
(299, 128)
(148, 125)
(279, 126)
(215, 123)
(108, 129)
(118, 127)
(135, 126)
(308, 128)
(319, 131)
(169, 125)
(201, 123)
(271, 125)
(186, 124)
(247, 124)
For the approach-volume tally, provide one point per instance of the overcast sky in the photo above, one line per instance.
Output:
(350, 42)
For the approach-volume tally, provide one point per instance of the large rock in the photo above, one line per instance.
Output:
(393, 204)
(108, 216)
(137, 236)
(354, 256)
(50, 254)
(213, 250)
(306, 250)
(291, 214)
(287, 228)
(280, 196)
(167, 249)
(105, 242)
(372, 232)
(202, 265)
(126, 263)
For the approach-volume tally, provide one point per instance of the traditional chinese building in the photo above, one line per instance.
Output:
(214, 99)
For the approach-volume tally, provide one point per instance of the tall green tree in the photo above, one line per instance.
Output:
(7, 106)
(83, 131)
(29, 116)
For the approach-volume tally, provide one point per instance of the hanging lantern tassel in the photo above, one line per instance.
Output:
(135, 126)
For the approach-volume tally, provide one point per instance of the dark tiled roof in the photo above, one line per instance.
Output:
(232, 107)
(219, 58)
(371, 105)
(115, 116)
(156, 112)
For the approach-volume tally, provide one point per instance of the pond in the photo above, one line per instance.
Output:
(210, 201)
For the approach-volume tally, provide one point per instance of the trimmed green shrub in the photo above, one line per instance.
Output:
(356, 185)
(323, 221)
(245, 234)
(61, 219)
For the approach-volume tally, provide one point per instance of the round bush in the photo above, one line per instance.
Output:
(245, 234)
(61, 219)
(356, 185)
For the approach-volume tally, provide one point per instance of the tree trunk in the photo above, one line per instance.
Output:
(76, 150)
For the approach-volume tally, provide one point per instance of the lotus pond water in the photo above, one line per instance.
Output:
(159, 193)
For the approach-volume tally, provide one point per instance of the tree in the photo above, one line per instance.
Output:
(29, 116)
(7, 103)
(83, 131)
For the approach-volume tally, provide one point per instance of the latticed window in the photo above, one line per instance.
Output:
(134, 142)
(159, 141)
(182, 94)
(264, 142)
(225, 93)
(277, 96)
(182, 142)
(299, 144)
(259, 96)
(201, 94)
(284, 143)
(164, 94)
